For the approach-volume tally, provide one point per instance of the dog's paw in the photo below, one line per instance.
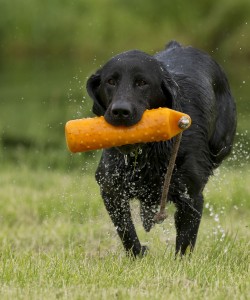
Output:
(144, 251)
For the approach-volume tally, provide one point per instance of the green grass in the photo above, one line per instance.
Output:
(57, 242)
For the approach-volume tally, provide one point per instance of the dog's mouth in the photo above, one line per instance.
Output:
(123, 117)
(129, 121)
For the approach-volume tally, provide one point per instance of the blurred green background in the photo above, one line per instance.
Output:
(49, 48)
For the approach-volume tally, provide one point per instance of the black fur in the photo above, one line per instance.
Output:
(181, 78)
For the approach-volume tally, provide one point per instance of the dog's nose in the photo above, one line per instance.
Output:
(121, 110)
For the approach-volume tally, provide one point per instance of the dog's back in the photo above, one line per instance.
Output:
(214, 109)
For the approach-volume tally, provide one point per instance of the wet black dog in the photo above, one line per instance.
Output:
(181, 78)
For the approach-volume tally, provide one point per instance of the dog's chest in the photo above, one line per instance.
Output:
(132, 177)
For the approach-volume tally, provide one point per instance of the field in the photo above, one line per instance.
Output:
(57, 242)
(56, 239)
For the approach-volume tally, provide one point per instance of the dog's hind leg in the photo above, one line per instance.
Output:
(120, 214)
(187, 222)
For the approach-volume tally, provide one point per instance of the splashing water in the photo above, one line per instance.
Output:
(238, 161)
(240, 156)
(217, 230)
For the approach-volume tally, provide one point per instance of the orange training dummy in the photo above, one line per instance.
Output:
(95, 133)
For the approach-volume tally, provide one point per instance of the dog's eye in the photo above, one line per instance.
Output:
(140, 82)
(111, 81)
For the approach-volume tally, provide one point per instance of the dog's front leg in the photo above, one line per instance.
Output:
(120, 214)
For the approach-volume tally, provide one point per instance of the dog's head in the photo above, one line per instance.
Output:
(127, 85)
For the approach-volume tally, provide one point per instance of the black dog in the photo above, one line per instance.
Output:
(181, 78)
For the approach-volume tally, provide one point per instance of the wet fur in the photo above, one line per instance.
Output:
(182, 78)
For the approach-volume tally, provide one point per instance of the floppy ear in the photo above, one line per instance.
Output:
(171, 91)
(93, 85)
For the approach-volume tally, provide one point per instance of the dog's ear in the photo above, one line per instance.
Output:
(171, 91)
(93, 85)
